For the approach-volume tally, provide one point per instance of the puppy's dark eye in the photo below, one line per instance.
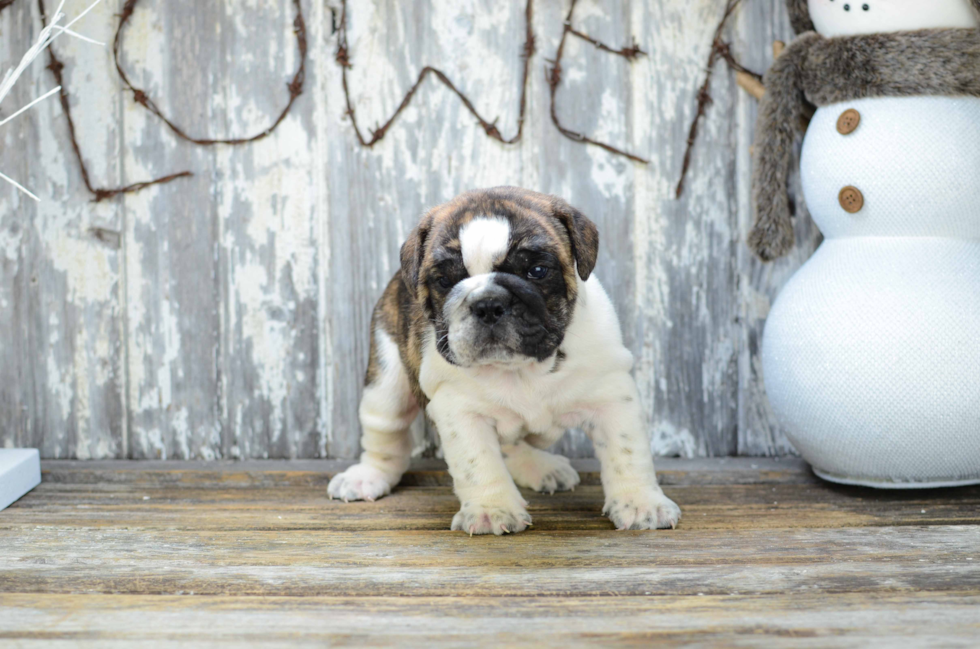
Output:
(538, 272)
(444, 283)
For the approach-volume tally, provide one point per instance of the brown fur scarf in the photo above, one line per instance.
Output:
(822, 71)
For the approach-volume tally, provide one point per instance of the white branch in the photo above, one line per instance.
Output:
(47, 35)
(18, 186)
(36, 101)
(80, 37)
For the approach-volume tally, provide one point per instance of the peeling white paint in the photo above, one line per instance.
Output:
(83, 408)
(673, 442)
(306, 225)
(10, 243)
(151, 442)
(60, 387)
(67, 291)
(86, 267)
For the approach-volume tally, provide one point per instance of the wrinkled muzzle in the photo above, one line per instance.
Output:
(496, 318)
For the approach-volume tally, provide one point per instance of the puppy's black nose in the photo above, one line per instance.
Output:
(490, 310)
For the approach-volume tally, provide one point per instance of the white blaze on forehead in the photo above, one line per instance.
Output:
(483, 242)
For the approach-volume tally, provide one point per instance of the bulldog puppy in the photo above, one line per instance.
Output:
(497, 327)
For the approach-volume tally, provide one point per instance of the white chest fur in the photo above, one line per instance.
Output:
(547, 397)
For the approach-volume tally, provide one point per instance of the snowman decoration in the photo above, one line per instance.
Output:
(871, 353)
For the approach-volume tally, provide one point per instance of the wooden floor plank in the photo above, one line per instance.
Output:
(170, 506)
(446, 564)
(192, 577)
(45, 545)
(424, 473)
(218, 554)
(908, 619)
(736, 493)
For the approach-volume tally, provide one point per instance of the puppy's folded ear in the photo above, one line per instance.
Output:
(582, 233)
(413, 252)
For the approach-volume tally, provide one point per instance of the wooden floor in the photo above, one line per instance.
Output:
(179, 554)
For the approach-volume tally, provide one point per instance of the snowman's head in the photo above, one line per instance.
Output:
(851, 17)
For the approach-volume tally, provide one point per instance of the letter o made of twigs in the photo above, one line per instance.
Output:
(295, 86)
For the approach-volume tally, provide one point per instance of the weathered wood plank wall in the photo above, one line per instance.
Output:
(226, 315)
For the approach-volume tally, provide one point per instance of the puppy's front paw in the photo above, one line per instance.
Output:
(491, 518)
(544, 472)
(648, 509)
(359, 482)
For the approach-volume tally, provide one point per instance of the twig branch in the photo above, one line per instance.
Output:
(553, 77)
(295, 86)
(100, 193)
(343, 59)
(30, 105)
(751, 82)
(629, 53)
(44, 39)
(719, 50)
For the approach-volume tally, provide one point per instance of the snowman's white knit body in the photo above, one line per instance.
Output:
(871, 353)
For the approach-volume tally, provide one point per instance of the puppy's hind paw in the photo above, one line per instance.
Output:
(646, 510)
(541, 471)
(359, 482)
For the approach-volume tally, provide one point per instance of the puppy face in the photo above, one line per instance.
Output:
(495, 272)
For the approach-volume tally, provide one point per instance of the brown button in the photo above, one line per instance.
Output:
(851, 199)
(848, 121)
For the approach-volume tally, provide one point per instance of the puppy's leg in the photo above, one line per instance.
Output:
(539, 470)
(387, 410)
(489, 501)
(634, 500)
